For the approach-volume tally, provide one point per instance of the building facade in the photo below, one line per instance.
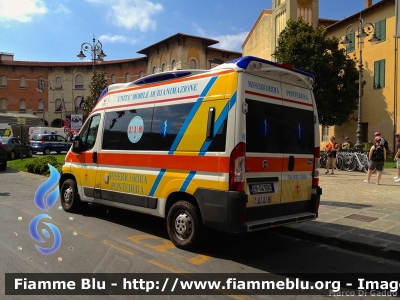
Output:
(380, 110)
(66, 84)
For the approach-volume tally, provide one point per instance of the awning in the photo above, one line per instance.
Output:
(12, 118)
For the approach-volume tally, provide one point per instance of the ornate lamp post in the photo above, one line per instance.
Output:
(363, 31)
(95, 49)
(40, 88)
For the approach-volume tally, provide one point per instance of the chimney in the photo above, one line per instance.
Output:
(368, 3)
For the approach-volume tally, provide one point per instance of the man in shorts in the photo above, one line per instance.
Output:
(397, 157)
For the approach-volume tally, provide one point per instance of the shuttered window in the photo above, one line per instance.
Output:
(79, 81)
(3, 81)
(58, 82)
(351, 46)
(379, 74)
(22, 83)
(380, 30)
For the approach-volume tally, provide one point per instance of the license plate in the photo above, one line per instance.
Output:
(261, 188)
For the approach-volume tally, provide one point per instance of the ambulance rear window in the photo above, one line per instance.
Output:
(272, 128)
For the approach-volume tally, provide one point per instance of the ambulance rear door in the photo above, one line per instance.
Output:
(297, 139)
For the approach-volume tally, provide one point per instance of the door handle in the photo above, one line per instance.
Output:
(94, 157)
(291, 163)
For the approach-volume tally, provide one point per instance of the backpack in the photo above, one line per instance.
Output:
(378, 152)
(386, 145)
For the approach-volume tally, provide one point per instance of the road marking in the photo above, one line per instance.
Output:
(169, 267)
(119, 247)
(81, 232)
(165, 246)
(199, 259)
(160, 248)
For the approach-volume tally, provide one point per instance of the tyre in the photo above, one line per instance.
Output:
(3, 166)
(46, 151)
(184, 225)
(339, 163)
(30, 153)
(70, 200)
(322, 162)
(349, 164)
(12, 155)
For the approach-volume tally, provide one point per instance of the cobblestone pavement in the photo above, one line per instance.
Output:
(355, 215)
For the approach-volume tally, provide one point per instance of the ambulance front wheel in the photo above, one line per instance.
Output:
(184, 225)
(70, 200)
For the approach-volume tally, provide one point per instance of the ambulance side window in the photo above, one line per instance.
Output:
(128, 129)
(168, 122)
(87, 137)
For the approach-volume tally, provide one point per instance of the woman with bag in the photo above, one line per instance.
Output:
(332, 149)
(377, 157)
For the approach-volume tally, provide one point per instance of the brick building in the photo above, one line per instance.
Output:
(66, 83)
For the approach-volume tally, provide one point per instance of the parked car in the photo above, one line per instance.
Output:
(49, 142)
(13, 147)
(3, 158)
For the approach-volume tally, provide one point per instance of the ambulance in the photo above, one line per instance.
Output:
(234, 148)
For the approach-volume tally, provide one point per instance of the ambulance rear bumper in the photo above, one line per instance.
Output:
(278, 221)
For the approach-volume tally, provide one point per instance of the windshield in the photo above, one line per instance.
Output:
(36, 137)
(4, 140)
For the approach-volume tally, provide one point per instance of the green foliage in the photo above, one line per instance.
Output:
(40, 165)
(97, 85)
(336, 76)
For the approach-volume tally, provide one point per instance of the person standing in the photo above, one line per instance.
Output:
(377, 157)
(397, 157)
(332, 149)
(347, 144)
(383, 141)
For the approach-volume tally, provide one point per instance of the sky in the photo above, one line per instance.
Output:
(54, 30)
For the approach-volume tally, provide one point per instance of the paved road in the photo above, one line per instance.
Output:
(112, 240)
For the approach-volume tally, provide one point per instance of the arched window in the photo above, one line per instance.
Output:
(22, 82)
(58, 82)
(163, 67)
(3, 106)
(41, 105)
(154, 70)
(173, 65)
(22, 105)
(140, 74)
(113, 79)
(3, 81)
(128, 77)
(58, 105)
(79, 81)
(192, 64)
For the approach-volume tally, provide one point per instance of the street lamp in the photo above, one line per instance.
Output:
(363, 31)
(40, 88)
(95, 49)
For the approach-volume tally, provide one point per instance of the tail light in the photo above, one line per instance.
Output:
(315, 173)
(237, 168)
(42, 140)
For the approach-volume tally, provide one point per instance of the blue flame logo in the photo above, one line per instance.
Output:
(35, 235)
(45, 205)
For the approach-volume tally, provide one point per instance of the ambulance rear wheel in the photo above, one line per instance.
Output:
(184, 225)
(70, 200)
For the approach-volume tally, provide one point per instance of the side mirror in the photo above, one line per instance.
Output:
(76, 147)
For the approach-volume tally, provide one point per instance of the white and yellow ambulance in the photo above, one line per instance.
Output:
(234, 148)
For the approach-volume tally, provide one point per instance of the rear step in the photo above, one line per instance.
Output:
(278, 221)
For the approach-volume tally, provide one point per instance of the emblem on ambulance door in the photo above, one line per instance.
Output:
(264, 164)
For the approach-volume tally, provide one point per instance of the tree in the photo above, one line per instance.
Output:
(97, 85)
(336, 76)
